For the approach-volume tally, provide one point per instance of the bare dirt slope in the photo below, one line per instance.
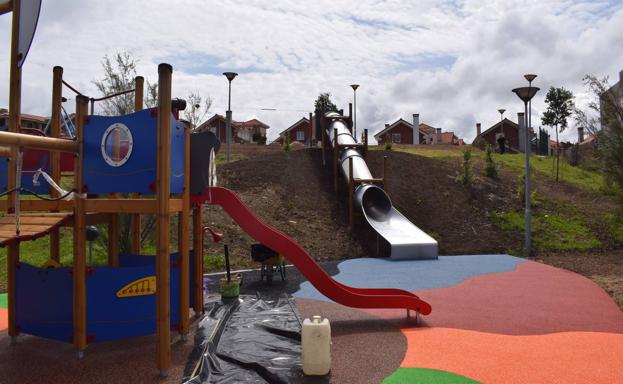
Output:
(292, 192)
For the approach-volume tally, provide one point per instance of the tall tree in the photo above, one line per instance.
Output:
(324, 104)
(607, 128)
(560, 106)
(196, 109)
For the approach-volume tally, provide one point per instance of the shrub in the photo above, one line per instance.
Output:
(259, 138)
(388, 142)
(466, 176)
(286, 143)
(491, 170)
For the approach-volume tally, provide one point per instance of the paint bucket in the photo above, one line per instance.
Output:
(316, 343)
(230, 289)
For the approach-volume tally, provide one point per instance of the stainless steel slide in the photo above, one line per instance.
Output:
(405, 239)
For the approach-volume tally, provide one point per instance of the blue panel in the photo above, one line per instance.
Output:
(41, 160)
(44, 302)
(112, 318)
(138, 174)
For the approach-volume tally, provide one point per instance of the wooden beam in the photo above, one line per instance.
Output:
(40, 205)
(37, 142)
(351, 187)
(198, 260)
(6, 7)
(15, 95)
(113, 240)
(5, 151)
(163, 294)
(135, 221)
(335, 160)
(385, 175)
(184, 242)
(55, 157)
(130, 205)
(79, 266)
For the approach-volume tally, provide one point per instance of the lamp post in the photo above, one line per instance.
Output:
(230, 76)
(354, 87)
(530, 77)
(526, 94)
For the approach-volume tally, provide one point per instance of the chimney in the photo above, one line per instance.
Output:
(478, 129)
(386, 125)
(522, 132)
(439, 137)
(580, 134)
(416, 128)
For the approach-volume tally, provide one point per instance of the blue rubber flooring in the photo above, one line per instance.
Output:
(413, 275)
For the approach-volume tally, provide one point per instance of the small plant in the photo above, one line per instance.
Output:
(521, 185)
(466, 176)
(388, 142)
(491, 170)
(286, 143)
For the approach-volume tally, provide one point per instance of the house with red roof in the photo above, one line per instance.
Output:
(301, 132)
(404, 132)
(250, 131)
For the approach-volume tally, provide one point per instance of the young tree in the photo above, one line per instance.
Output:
(324, 104)
(119, 74)
(559, 107)
(491, 170)
(196, 109)
(607, 128)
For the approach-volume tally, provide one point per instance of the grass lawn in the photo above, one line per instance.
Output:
(589, 179)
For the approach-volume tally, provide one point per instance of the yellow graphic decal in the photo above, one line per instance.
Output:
(140, 287)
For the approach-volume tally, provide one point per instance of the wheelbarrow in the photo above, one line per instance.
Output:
(271, 261)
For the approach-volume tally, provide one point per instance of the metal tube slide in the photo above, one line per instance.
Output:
(405, 239)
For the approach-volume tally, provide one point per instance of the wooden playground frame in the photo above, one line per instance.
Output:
(86, 210)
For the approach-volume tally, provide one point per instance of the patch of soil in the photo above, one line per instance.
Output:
(290, 191)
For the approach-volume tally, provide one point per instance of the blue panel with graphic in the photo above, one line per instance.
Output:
(117, 162)
(44, 300)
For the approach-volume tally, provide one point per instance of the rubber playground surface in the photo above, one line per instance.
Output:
(495, 319)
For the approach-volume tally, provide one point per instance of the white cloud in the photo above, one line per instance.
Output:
(454, 62)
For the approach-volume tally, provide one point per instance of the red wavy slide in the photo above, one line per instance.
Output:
(284, 245)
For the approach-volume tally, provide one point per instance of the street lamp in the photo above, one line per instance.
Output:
(530, 77)
(354, 87)
(501, 111)
(526, 94)
(230, 76)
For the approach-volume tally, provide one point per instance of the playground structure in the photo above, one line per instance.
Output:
(149, 155)
(406, 241)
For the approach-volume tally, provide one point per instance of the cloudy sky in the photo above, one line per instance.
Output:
(454, 62)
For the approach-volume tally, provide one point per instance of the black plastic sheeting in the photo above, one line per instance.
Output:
(249, 340)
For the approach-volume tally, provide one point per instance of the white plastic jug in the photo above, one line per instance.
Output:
(316, 343)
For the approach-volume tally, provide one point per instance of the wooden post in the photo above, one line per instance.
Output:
(55, 156)
(365, 144)
(113, 240)
(385, 175)
(324, 141)
(198, 260)
(135, 226)
(311, 131)
(79, 267)
(15, 95)
(163, 294)
(335, 160)
(351, 185)
(184, 242)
